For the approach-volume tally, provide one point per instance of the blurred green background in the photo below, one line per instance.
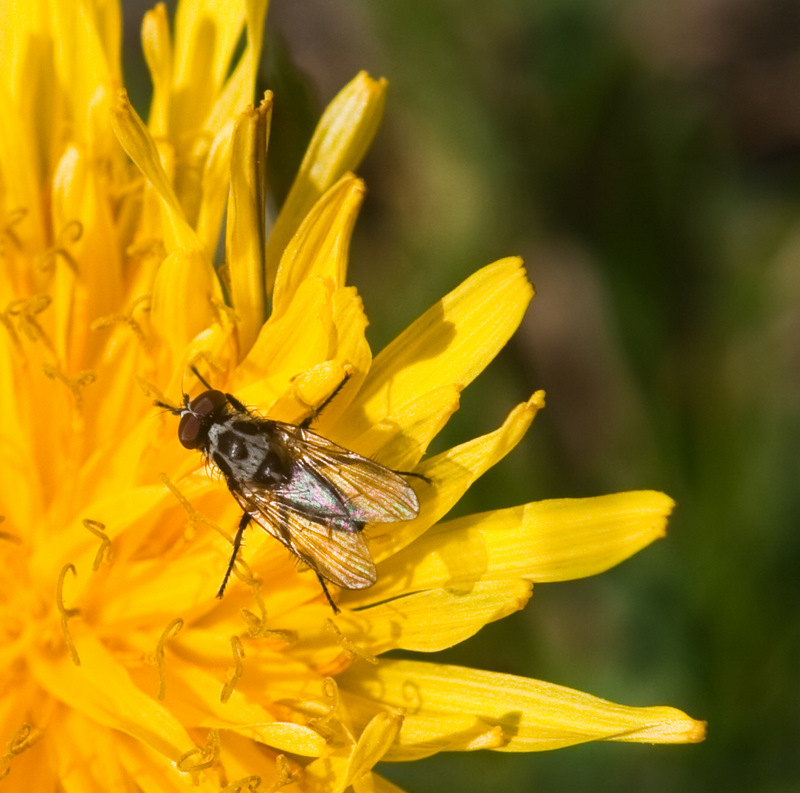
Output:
(644, 159)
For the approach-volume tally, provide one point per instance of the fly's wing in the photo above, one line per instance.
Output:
(337, 552)
(368, 491)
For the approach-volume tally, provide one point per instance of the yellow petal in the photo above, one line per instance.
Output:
(532, 715)
(373, 743)
(466, 329)
(21, 484)
(185, 295)
(256, 14)
(350, 354)
(215, 187)
(426, 621)
(322, 243)
(83, 291)
(206, 33)
(240, 86)
(244, 759)
(102, 690)
(141, 148)
(351, 322)
(553, 540)
(324, 775)
(163, 590)
(31, 23)
(423, 734)
(157, 49)
(340, 141)
(451, 473)
(244, 243)
(303, 337)
(119, 511)
(19, 182)
(156, 774)
(438, 619)
(84, 754)
(287, 737)
(193, 694)
(401, 442)
(87, 63)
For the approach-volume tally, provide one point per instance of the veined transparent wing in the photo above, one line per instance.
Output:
(370, 492)
(338, 554)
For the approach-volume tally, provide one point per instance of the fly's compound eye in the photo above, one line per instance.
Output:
(194, 423)
(190, 431)
(208, 403)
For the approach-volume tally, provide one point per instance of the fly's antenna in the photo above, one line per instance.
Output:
(169, 408)
(161, 400)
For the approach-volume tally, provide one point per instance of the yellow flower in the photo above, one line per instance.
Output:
(120, 669)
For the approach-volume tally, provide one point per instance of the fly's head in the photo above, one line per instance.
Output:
(198, 416)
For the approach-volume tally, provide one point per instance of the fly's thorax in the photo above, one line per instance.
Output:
(249, 452)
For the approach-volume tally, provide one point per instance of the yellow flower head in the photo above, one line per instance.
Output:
(120, 669)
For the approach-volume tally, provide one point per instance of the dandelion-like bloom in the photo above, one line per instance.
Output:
(120, 669)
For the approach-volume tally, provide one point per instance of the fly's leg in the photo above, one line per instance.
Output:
(314, 415)
(426, 479)
(328, 594)
(200, 377)
(237, 542)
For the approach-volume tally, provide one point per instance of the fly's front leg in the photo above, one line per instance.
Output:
(237, 542)
(314, 414)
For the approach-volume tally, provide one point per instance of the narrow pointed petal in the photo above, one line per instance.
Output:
(340, 141)
(401, 442)
(83, 291)
(157, 48)
(532, 715)
(240, 85)
(468, 328)
(244, 244)
(301, 338)
(185, 295)
(427, 621)
(215, 187)
(555, 540)
(322, 243)
(206, 34)
(19, 182)
(435, 620)
(451, 474)
(141, 148)
(88, 63)
(373, 743)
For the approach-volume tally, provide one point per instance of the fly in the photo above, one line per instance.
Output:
(310, 494)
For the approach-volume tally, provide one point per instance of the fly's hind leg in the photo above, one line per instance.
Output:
(237, 542)
(328, 594)
(426, 479)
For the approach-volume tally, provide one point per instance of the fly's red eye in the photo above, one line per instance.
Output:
(208, 403)
(190, 431)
